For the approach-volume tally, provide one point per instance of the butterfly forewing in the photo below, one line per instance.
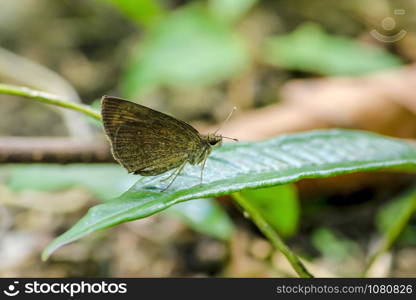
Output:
(146, 141)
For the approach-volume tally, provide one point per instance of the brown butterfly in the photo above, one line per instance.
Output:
(148, 142)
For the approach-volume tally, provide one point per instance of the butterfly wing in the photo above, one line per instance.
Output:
(146, 141)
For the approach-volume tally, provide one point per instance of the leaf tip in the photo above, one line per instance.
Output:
(50, 249)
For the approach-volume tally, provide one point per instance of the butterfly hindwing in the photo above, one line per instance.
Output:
(146, 141)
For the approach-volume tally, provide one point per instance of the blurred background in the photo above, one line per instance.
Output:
(286, 65)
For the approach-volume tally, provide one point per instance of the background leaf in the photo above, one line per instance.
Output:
(279, 206)
(205, 216)
(105, 181)
(331, 245)
(144, 12)
(238, 166)
(310, 49)
(190, 47)
(230, 10)
(392, 218)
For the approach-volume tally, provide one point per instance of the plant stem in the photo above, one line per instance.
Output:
(272, 235)
(48, 98)
(394, 231)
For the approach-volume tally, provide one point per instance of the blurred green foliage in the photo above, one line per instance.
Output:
(279, 205)
(392, 218)
(310, 49)
(205, 216)
(105, 181)
(198, 44)
(230, 10)
(144, 12)
(332, 245)
(189, 47)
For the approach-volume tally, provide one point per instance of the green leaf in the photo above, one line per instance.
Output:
(238, 166)
(230, 10)
(278, 205)
(310, 49)
(190, 47)
(392, 218)
(105, 181)
(331, 245)
(144, 12)
(205, 216)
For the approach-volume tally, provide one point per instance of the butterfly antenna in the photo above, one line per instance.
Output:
(226, 137)
(226, 120)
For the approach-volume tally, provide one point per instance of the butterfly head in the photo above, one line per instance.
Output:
(214, 140)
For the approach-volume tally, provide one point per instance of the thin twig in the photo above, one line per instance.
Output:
(48, 98)
(53, 150)
(25, 72)
(272, 235)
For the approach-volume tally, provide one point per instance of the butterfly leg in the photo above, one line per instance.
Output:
(174, 174)
(171, 174)
(203, 166)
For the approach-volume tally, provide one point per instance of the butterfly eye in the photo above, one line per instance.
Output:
(213, 142)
